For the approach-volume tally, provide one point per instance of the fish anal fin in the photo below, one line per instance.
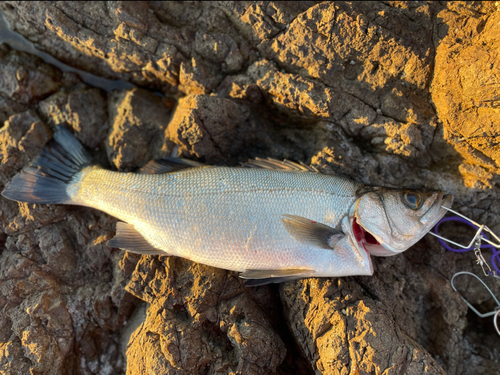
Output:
(168, 165)
(311, 232)
(263, 277)
(283, 274)
(128, 238)
(270, 280)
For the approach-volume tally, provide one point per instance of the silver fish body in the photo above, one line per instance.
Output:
(276, 222)
(229, 218)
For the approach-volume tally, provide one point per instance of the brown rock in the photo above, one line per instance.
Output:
(240, 87)
(138, 118)
(200, 320)
(346, 85)
(350, 57)
(131, 41)
(21, 139)
(52, 292)
(9, 107)
(261, 20)
(203, 132)
(345, 328)
(25, 78)
(195, 78)
(466, 87)
(12, 359)
(83, 109)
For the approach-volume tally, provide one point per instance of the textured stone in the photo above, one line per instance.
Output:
(83, 109)
(200, 320)
(466, 88)
(400, 94)
(203, 132)
(138, 118)
(26, 79)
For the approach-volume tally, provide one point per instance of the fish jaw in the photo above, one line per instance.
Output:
(376, 246)
(365, 240)
(432, 217)
(355, 253)
(346, 258)
(368, 241)
(428, 221)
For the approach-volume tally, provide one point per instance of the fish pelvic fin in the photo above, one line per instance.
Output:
(47, 179)
(128, 238)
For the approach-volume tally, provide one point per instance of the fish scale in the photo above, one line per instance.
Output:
(221, 216)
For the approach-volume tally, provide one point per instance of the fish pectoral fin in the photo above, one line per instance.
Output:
(263, 277)
(277, 165)
(311, 232)
(167, 165)
(128, 238)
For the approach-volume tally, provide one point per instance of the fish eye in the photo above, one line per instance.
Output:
(412, 200)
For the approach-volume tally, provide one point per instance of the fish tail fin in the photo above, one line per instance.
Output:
(47, 180)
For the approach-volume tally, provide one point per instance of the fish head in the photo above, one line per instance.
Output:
(388, 221)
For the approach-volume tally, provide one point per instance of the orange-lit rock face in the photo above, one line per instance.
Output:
(404, 94)
(196, 318)
(466, 89)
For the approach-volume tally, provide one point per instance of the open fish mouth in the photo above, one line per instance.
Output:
(362, 235)
(364, 238)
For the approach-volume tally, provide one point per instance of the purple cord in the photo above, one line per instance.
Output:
(495, 257)
(461, 220)
(495, 260)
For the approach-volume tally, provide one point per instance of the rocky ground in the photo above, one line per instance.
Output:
(402, 94)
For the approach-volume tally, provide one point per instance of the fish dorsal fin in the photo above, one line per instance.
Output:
(263, 277)
(285, 165)
(128, 238)
(167, 165)
(311, 232)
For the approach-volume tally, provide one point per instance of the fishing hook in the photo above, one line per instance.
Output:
(495, 313)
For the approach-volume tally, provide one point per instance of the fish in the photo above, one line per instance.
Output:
(270, 221)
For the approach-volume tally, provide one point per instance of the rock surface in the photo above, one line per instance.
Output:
(401, 94)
